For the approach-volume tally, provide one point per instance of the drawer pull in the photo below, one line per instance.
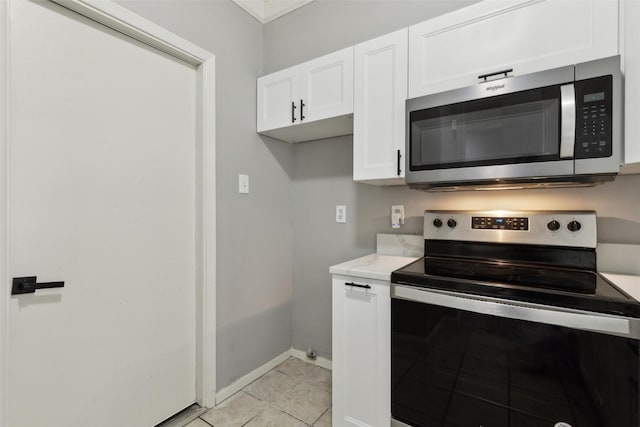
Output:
(355, 285)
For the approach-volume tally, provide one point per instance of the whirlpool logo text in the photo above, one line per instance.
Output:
(494, 87)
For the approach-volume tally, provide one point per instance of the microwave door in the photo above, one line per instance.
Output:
(522, 134)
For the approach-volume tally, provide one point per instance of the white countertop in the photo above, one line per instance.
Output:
(374, 266)
(627, 282)
(379, 267)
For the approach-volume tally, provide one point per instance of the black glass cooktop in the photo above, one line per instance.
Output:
(512, 273)
(549, 285)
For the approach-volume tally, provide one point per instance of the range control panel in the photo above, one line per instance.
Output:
(554, 228)
(500, 223)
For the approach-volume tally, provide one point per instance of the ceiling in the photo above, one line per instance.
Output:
(268, 10)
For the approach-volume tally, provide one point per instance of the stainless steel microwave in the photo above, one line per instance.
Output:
(559, 127)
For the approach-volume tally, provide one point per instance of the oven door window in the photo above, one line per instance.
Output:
(521, 127)
(457, 368)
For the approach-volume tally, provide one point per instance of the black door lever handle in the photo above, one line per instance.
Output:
(28, 285)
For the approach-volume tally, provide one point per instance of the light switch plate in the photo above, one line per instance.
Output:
(243, 184)
(341, 213)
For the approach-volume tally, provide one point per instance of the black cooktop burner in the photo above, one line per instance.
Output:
(586, 290)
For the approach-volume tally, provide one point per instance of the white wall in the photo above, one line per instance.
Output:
(325, 26)
(254, 231)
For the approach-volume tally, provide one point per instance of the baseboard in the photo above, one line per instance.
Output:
(242, 382)
(320, 361)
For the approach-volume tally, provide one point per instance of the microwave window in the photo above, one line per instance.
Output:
(513, 128)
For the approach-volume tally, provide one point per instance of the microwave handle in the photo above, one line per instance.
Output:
(568, 121)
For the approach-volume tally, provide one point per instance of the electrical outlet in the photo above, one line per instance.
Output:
(397, 216)
(341, 213)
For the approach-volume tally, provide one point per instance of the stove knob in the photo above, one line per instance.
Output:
(437, 223)
(452, 223)
(553, 225)
(574, 226)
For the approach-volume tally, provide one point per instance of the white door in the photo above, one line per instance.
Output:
(326, 86)
(278, 99)
(102, 196)
(380, 92)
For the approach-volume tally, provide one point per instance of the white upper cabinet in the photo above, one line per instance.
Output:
(327, 86)
(380, 92)
(630, 37)
(452, 50)
(277, 97)
(310, 101)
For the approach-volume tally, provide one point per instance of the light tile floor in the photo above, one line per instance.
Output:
(293, 394)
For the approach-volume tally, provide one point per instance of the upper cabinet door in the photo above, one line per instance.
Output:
(327, 86)
(452, 50)
(278, 99)
(380, 92)
(631, 61)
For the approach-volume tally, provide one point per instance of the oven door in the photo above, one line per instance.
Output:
(503, 129)
(462, 360)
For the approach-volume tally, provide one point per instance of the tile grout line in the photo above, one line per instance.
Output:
(253, 418)
(205, 421)
(291, 415)
(321, 415)
(273, 405)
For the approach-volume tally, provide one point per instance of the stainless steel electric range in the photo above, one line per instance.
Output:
(506, 322)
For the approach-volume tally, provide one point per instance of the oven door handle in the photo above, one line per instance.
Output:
(601, 323)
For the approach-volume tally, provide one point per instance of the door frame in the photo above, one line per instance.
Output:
(128, 23)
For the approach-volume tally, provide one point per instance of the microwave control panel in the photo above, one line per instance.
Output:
(593, 118)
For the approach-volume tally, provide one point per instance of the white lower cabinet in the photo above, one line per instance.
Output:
(361, 352)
